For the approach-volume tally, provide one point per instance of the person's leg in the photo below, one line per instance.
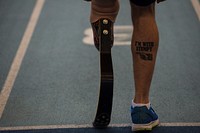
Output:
(104, 9)
(103, 15)
(144, 49)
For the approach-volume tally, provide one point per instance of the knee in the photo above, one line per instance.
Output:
(142, 14)
(104, 8)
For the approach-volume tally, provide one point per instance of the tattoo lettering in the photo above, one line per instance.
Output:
(144, 50)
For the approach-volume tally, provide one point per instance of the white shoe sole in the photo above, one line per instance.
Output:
(145, 127)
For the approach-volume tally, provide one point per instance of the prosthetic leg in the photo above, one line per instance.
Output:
(103, 36)
(103, 15)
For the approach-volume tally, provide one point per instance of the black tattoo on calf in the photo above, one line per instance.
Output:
(144, 50)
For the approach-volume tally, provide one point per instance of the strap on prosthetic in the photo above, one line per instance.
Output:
(142, 2)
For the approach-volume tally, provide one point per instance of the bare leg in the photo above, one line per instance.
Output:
(144, 49)
(104, 9)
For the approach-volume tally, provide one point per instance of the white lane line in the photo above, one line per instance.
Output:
(180, 124)
(73, 126)
(122, 34)
(196, 6)
(14, 69)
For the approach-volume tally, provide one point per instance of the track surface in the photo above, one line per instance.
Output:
(56, 86)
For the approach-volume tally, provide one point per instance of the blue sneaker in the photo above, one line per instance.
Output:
(143, 118)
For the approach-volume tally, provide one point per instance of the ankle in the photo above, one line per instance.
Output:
(141, 99)
(140, 104)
